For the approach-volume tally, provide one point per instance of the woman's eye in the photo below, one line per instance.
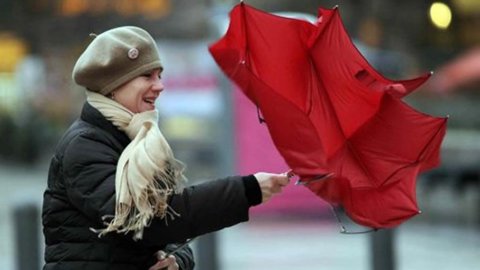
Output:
(146, 75)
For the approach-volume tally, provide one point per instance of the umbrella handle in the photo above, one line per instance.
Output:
(317, 178)
(260, 118)
(289, 174)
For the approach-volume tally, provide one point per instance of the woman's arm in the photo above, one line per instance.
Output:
(202, 208)
(212, 206)
(89, 168)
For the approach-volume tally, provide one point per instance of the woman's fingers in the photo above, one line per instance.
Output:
(169, 263)
(271, 184)
(283, 180)
(161, 255)
(289, 174)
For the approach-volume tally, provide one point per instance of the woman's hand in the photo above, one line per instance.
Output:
(271, 184)
(168, 263)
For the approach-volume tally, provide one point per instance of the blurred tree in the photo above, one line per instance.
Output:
(5, 14)
(7, 133)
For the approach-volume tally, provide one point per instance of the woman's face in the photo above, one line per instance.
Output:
(139, 94)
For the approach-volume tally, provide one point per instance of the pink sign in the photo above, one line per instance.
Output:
(256, 152)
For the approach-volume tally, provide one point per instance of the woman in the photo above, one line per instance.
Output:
(115, 196)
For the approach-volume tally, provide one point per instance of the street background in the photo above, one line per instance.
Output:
(214, 129)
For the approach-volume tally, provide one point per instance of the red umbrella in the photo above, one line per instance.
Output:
(330, 113)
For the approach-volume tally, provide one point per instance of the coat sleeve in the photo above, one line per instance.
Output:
(202, 208)
(89, 166)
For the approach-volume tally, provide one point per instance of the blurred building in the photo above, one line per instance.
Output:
(40, 40)
(56, 31)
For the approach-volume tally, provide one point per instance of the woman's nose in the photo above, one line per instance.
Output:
(158, 85)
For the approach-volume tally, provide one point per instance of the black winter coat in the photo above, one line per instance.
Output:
(81, 190)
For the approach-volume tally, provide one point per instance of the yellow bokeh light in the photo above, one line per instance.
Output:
(154, 9)
(73, 7)
(12, 51)
(441, 15)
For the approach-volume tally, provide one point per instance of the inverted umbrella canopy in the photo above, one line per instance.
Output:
(330, 113)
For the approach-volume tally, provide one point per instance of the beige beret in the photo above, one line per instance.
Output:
(114, 58)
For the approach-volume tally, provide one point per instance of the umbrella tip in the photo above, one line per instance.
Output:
(447, 116)
(420, 211)
(335, 7)
(431, 72)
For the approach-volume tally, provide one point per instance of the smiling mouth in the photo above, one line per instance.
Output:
(149, 100)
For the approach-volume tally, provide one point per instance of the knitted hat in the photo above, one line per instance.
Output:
(114, 58)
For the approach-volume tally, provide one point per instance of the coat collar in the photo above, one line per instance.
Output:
(93, 116)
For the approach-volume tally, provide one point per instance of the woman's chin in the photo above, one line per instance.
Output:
(147, 107)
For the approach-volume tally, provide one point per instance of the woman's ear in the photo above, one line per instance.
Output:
(111, 95)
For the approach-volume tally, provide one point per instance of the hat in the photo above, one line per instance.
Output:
(114, 58)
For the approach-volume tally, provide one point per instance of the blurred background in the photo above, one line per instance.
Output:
(215, 130)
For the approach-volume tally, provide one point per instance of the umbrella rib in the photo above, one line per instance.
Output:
(430, 140)
(337, 121)
(317, 75)
(360, 162)
(418, 157)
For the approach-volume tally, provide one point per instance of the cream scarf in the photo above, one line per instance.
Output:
(147, 172)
